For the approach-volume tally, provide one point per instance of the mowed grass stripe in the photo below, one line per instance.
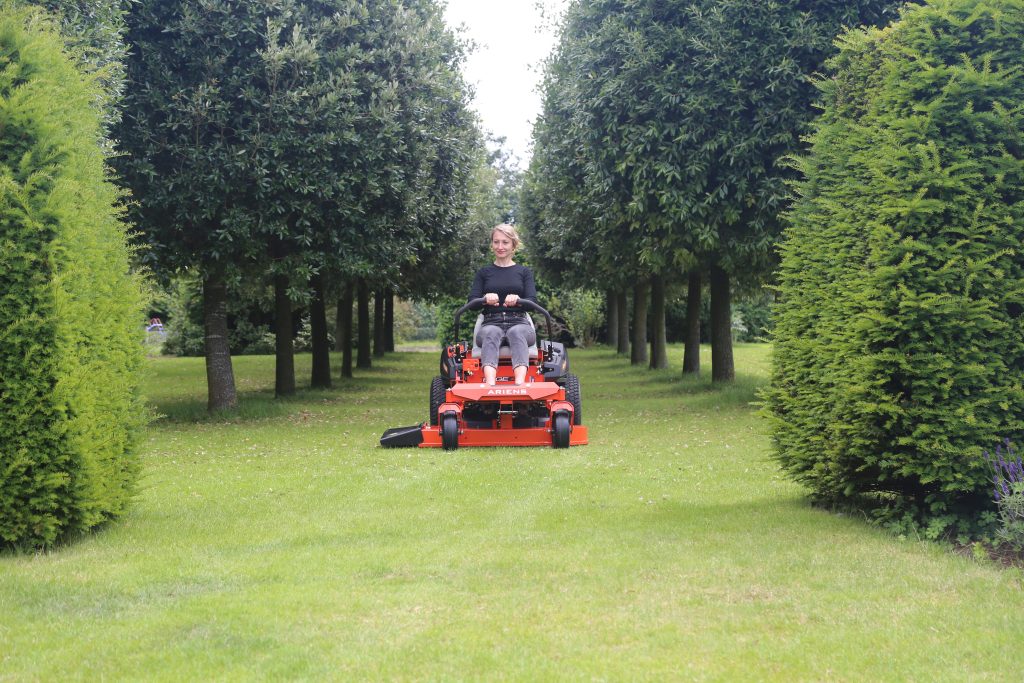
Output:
(281, 542)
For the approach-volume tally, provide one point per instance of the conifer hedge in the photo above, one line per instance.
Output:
(899, 341)
(70, 310)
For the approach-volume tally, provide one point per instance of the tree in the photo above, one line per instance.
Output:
(676, 115)
(899, 347)
(185, 160)
(406, 234)
(253, 130)
(559, 217)
(94, 30)
(70, 309)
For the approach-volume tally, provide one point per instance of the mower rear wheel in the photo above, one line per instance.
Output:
(572, 395)
(437, 396)
(450, 432)
(560, 431)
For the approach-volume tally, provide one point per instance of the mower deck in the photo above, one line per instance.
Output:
(524, 436)
(503, 430)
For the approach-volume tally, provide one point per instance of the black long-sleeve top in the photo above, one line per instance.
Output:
(514, 279)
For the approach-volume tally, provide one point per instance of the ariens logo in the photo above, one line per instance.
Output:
(507, 392)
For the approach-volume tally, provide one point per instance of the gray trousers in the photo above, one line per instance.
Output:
(520, 337)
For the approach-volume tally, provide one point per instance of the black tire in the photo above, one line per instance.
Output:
(572, 395)
(450, 432)
(560, 431)
(437, 396)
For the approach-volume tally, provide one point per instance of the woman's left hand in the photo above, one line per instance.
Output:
(511, 299)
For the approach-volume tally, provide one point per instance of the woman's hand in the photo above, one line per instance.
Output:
(491, 299)
(511, 299)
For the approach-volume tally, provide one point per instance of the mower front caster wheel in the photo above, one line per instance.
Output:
(450, 432)
(560, 431)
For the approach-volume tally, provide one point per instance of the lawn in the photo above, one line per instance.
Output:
(282, 543)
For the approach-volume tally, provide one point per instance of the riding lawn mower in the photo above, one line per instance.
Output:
(464, 411)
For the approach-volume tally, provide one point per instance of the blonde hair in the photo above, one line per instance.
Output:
(508, 231)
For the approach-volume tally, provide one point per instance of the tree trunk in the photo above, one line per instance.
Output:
(691, 352)
(623, 306)
(363, 295)
(659, 342)
(389, 320)
(338, 323)
(639, 355)
(321, 376)
(220, 377)
(378, 323)
(344, 340)
(284, 348)
(722, 368)
(612, 319)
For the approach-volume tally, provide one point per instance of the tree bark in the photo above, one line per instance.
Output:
(691, 350)
(220, 376)
(321, 375)
(284, 348)
(363, 352)
(612, 319)
(640, 292)
(339, 347)
(623, 306)
(389, 320)
(659, 341)
(378, 323)
(722, 368)
(344, 340)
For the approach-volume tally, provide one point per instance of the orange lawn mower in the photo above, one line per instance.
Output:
(464, 411)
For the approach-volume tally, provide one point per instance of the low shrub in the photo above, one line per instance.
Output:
(583, 313)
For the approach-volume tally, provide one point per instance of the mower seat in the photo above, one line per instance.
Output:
(504, 351)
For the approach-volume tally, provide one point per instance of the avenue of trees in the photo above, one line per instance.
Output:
(321, 155)
(660, 153)
(323, 148)
(899, 349)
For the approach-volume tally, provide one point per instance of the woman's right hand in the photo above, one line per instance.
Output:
(491, 299)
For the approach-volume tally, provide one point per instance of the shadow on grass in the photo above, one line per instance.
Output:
(605, 375)
(262, 404)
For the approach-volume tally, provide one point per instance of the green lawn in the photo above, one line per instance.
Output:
(283, 543)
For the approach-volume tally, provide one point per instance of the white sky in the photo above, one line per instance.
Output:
(513, 37)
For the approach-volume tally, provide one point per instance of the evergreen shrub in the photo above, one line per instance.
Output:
(899, 338)
(70, 310)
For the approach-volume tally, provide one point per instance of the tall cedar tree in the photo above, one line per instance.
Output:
(70, 311)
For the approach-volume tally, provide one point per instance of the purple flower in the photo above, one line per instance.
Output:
(1007, 468)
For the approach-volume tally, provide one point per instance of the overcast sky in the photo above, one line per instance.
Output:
(513, 37)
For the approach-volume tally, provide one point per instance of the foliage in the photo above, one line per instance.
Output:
(70, 310)
(663, 127)
(247, 311)
(294, 139)
(754, 310)
(899, 338)
(414, 321)
(216, 112)
(583, 312)
(445, 308)
(445, 267)
(94, 30)
(1008, 478)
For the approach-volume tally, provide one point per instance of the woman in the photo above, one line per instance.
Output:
(502, 285)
